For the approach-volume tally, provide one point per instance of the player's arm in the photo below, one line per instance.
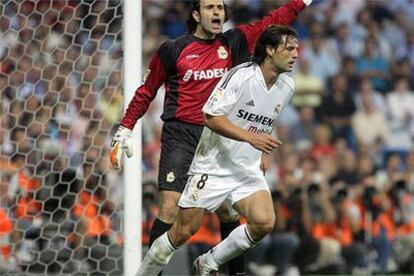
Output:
(223, 126)
(221, 101)
(283, 16)
(144, 95)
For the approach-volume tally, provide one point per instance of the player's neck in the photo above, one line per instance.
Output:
(269, 74)
(202, 34)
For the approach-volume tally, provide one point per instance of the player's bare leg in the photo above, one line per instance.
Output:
(188, 222)
(260, 217)
(168, 209)
(167, 213)
(229, 222)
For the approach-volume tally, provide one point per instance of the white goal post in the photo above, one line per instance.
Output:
(132, 44)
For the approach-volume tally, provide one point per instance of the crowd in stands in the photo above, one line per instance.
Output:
(342, 183)
(61, 205)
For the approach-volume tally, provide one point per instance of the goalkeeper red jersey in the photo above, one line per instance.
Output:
(190, 68)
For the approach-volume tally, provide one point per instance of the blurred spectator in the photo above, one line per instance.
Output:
(393, 29)
(406, 50)
(401, 119)
(379, 227)
(349, 70)
(369, 124)
(343, 43)
(153, 38)
(391, 172)
(175, 14)
(366, 90)
(383, 48)
(379, 11)
(401, 69)
(374, 67)
(346, 228)
(302, 133)
(317, 213)
(308, 87)
(360, 28)
(337, 107)
(346, 169)
(322, 142)
(323, 63)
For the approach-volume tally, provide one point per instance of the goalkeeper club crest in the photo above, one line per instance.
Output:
(222, 52)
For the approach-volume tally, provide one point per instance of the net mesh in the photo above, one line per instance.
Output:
(60, 79)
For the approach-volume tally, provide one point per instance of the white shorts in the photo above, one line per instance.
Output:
(210, 192)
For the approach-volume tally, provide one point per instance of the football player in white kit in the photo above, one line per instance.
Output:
(231, 156)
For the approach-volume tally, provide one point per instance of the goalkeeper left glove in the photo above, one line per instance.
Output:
(122, 141)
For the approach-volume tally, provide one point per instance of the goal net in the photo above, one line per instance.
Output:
(61, 204)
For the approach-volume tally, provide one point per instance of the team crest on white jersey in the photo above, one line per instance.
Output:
(222, 52)
(278, 108)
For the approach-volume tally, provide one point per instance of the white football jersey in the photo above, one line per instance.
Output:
(242, 96)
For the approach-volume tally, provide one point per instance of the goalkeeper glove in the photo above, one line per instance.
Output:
(121, 142)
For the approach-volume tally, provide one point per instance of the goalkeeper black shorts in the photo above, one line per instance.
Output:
(179, 141)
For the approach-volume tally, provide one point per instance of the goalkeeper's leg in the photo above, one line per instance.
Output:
(166, 214)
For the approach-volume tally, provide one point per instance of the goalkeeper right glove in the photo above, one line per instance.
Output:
(122, 141)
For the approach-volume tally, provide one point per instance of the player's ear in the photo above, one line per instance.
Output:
(196, 16)
(270, 51)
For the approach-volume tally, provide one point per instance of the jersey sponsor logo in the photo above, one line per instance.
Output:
(222, 52)
(255, 118)
(259, 130)
(204, 74)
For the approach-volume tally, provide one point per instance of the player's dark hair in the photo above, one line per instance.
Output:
(194, 5)
(272, 37)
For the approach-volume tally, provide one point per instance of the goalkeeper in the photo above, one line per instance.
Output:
(190, 67)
